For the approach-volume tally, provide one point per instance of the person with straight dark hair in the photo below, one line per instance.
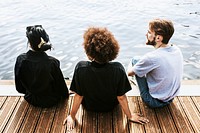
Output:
(38, 75)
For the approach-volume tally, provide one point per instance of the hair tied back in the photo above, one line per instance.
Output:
(41, 43)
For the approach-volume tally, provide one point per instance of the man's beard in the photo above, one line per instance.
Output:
(153, 43)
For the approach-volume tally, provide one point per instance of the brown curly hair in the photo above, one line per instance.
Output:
(100, 45)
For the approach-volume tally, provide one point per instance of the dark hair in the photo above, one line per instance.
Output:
(100, 45)
(38, 38)
(162, 27)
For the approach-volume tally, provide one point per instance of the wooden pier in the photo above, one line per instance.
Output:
(181, 116)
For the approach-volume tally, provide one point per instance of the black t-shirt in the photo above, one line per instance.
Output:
(39, 77)
(100, 84)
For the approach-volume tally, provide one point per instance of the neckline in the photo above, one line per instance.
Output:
(98, 65)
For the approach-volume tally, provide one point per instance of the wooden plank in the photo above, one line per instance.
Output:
(30, 121)
(6, 111)
(196, 102)
(90, 122)
(120, 122)
(105, 122)
(165, 120)
(79, 118)
(7, 82)
(191, 111)
(179, 117)
(61, 113)
(2, 100)
(191, 82)
(183, 112)
(18, 116)
(134, 107)
(45, 120)
(153, 125)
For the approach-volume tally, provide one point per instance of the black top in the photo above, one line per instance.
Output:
(100, 84)
(39, 77)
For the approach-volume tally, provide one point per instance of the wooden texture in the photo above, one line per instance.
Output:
(192, 111)
(181, 116)
(120, 124)
(153, 126)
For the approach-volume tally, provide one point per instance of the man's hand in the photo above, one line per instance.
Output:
(70, 123)
(138, 118)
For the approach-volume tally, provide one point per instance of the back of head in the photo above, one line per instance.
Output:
(100, 45)
(162, 27)
(38, 38)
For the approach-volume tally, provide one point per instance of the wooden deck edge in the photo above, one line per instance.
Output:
(184, 82)
(188, 88)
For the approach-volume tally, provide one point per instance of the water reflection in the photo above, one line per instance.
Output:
(65, 22)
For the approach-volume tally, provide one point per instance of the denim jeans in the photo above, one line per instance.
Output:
(144, 91)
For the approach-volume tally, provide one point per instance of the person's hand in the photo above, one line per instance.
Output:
(70, 123)
(138, 118)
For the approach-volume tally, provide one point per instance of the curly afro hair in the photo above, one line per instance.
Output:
(100, 45)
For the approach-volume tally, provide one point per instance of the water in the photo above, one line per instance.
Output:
(66, 21)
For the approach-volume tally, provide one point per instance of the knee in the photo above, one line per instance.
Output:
(155, 104)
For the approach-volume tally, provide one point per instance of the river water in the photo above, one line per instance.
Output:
(66, 20)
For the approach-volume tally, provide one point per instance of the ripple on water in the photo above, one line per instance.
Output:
(66, 21)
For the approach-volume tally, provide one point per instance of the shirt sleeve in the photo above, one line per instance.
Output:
(18, 84)
(124, 84)
(144, 66)
(75, 86)
(59, 80)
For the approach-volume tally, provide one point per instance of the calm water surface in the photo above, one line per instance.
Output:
(66, 21)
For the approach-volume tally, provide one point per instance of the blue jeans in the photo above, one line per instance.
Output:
(144, 91)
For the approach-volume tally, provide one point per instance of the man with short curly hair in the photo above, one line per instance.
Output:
(99, 84)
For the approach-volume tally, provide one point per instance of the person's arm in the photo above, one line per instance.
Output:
(61, 86)
(18, 84)
(130, 71)
(70, 120)
(135, 117)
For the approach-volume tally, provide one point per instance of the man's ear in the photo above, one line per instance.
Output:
(159, 38)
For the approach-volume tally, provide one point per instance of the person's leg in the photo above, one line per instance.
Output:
(144, 90)
(145, 95)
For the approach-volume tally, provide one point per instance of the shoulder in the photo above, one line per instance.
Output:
(20, 59)
(175, 47)
(82, 64)
(149, 58)
(116, 65)
(22, 56)
(54, 60)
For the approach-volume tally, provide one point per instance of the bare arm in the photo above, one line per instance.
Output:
(71, 118)
(124, 104)
(135, 117)
(76, 104)
(130, 71)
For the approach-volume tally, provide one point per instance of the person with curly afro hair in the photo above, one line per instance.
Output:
(100, 84)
